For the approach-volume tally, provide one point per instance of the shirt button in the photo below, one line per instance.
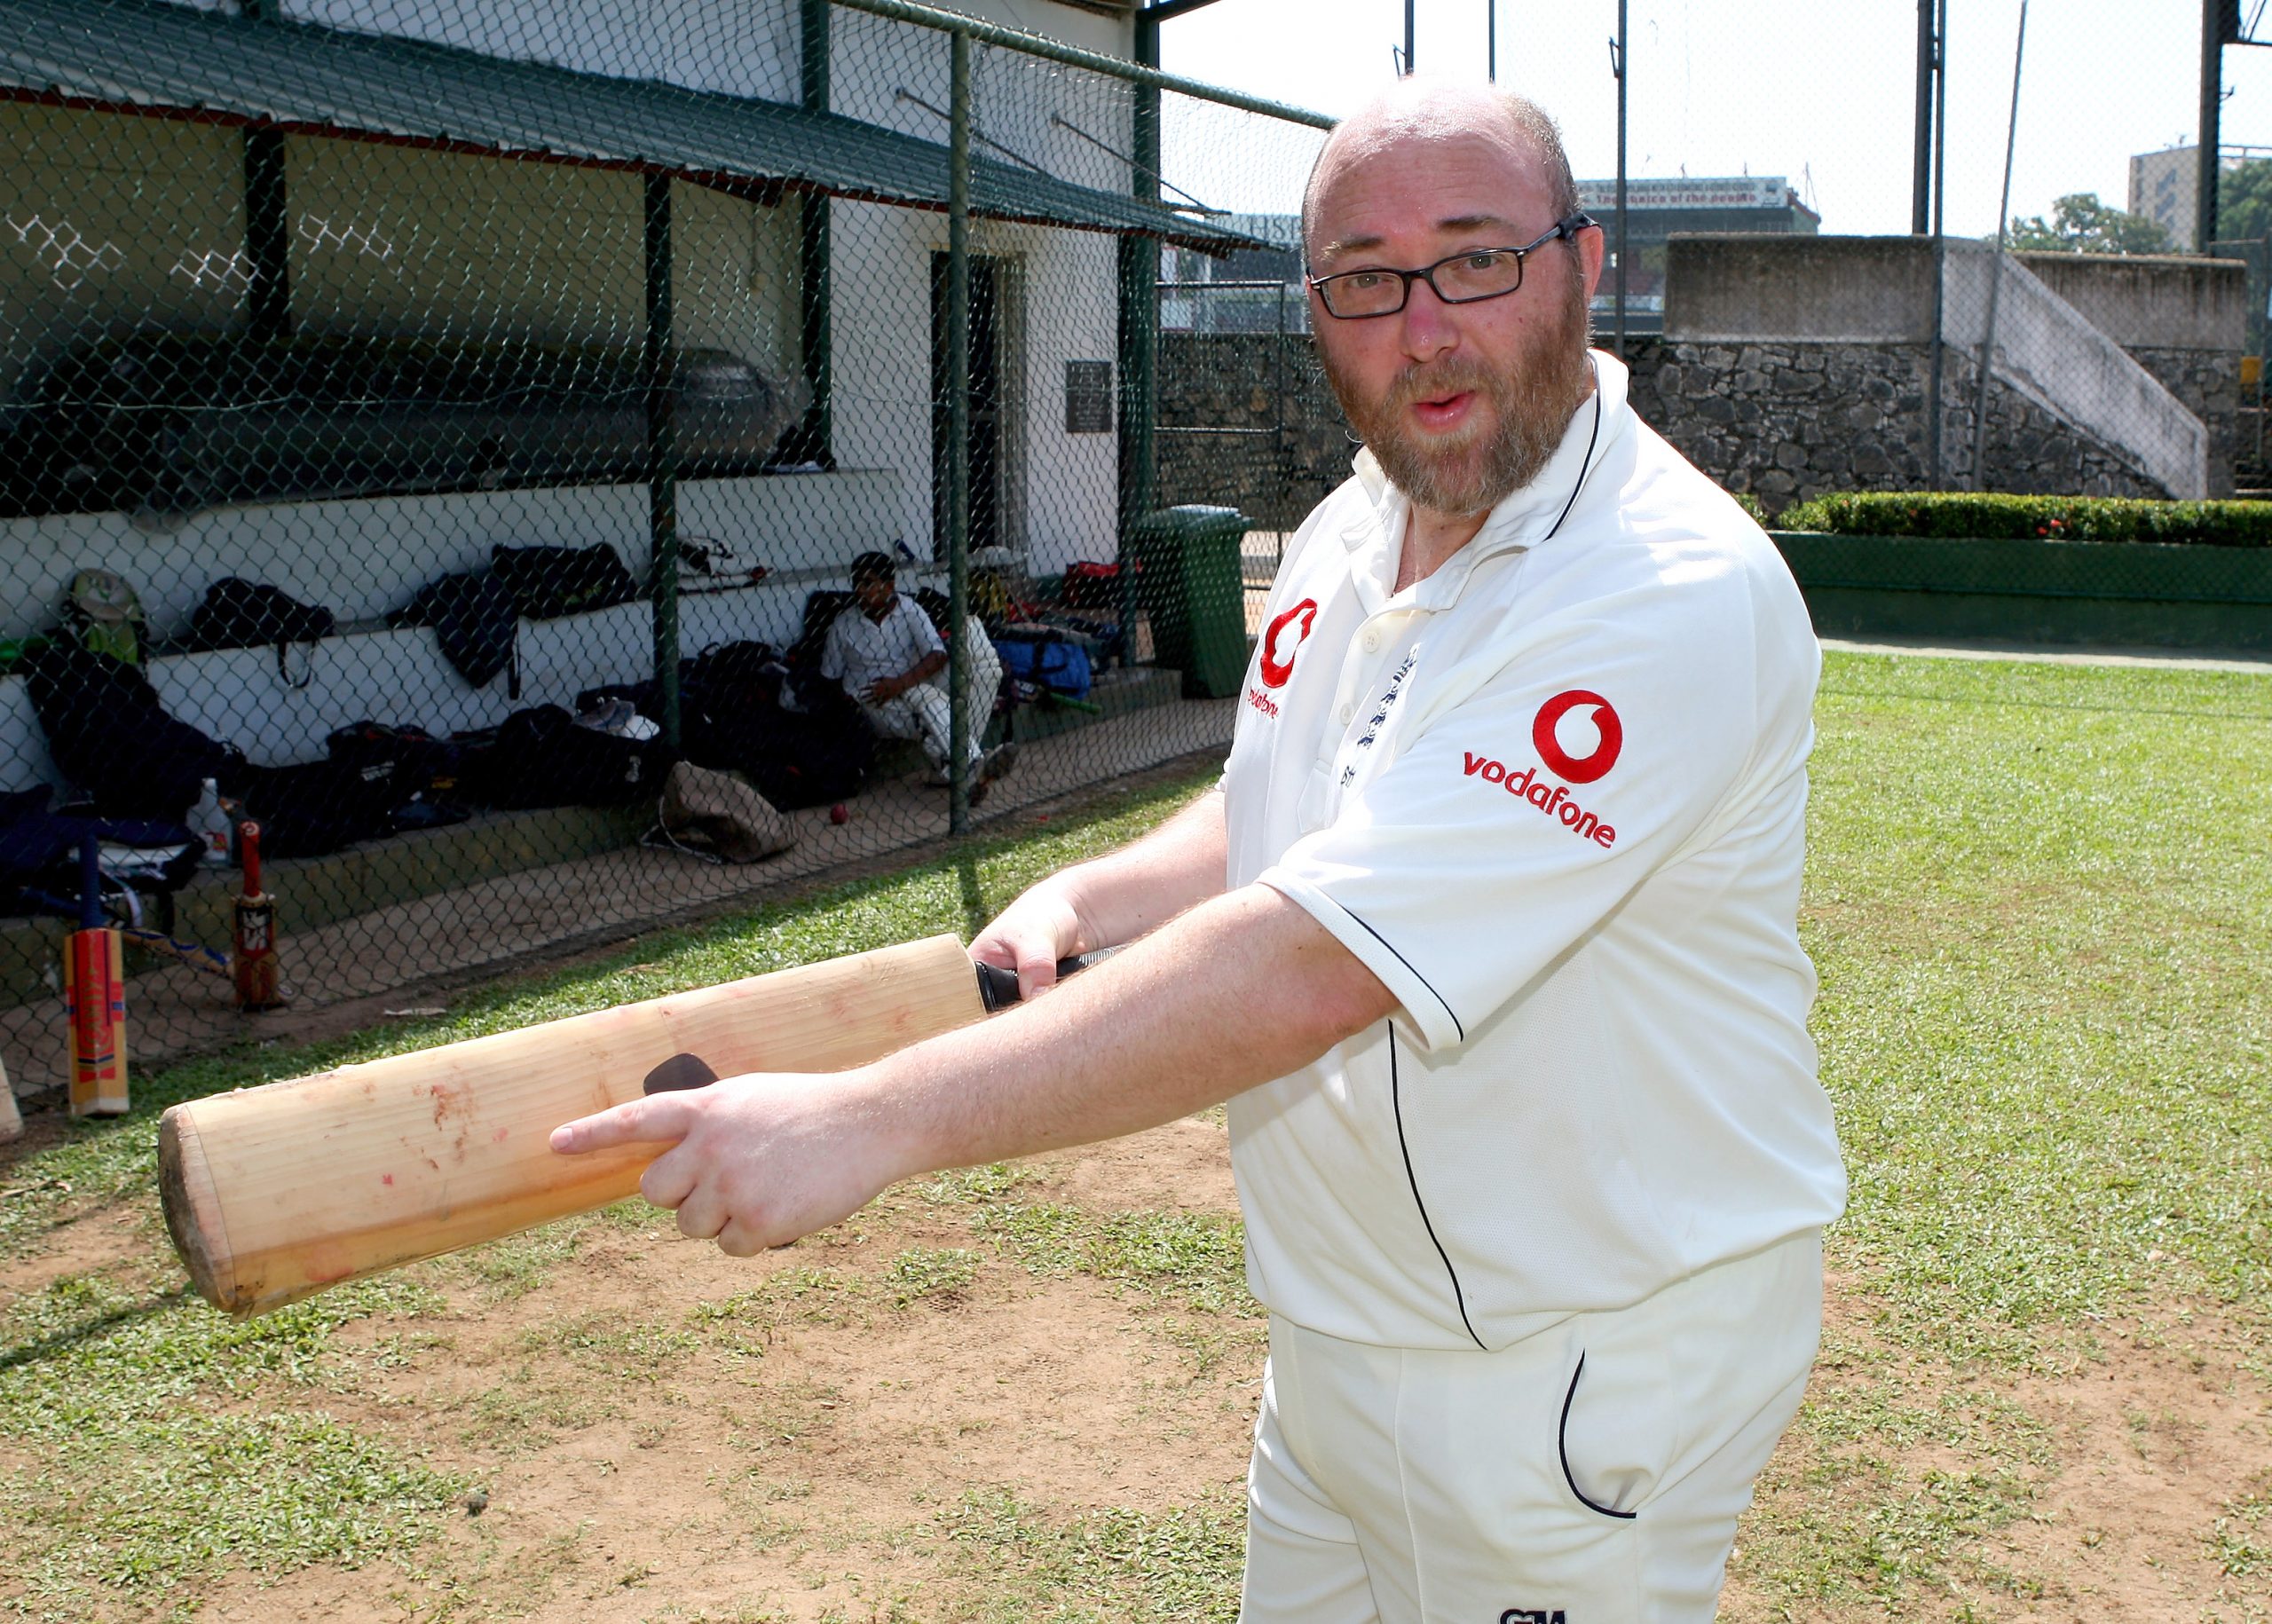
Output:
(1348, 714)
(1372, 641)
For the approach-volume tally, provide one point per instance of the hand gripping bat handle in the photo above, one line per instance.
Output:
(997, 989)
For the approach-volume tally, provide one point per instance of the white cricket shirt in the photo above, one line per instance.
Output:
(859, 650)
(1554, 796)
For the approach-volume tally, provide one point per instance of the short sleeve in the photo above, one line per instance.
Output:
(832, 651)
(1514, 822)
(921, 635)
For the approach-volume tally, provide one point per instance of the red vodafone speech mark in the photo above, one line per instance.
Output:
(1560, 762)
(1275, 670)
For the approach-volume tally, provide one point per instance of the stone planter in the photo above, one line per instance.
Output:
(2108, 593)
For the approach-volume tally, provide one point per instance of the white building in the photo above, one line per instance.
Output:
(2162, 189)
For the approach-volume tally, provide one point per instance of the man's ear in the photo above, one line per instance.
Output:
(1592, 252)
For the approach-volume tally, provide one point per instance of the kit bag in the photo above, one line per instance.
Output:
(312, 807)
(1046, 660)
(475, 624)
(719, 815)
(542, 759)
(547, 581)
(408, 761)
(110, 735)
(243, 614)
(103, 614)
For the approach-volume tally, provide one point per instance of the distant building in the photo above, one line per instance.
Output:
(1655, 208)
(2162, 186)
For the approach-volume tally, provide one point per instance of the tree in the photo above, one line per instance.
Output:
(2245, 201)
(2080, 224)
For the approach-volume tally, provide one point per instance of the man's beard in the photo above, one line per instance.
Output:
(1472, 469)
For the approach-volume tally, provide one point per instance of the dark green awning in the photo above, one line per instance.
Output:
(151, 57)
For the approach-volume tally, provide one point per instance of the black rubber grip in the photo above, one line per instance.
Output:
(997, 989)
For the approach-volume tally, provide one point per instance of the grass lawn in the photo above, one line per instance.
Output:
(2041, 900)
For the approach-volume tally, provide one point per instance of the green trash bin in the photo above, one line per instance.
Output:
(1189, 585)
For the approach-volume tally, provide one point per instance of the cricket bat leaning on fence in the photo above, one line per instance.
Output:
(272, 1194)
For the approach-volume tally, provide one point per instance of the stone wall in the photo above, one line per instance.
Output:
(1247, 421)
(1792, 420)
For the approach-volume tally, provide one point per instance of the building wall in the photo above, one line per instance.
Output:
(106, 223)
(2162, 188)
(1787, 420)
(1800, 365)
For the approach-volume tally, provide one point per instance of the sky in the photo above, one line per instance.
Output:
(1821, 91)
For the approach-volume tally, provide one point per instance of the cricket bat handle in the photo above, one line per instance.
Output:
(272, 1194)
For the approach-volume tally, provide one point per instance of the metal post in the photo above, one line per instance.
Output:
(814, 439)
(1140, 334)
(1491, 36)
(1920, 181)
(662, 452)
(1620, 178)
(268, 225)
(958, 434)
(1407, 39)
(268, 236)
(1934, 412)
(1996, 270)
(2213, 106)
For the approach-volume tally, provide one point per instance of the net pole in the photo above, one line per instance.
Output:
(1933, 418)
(959, 435)
(815, 257)
(1622, 66)
(1996, 269)
(662, 453)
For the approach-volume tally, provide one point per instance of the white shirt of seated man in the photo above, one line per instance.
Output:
(886, 653)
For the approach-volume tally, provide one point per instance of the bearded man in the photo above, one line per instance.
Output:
(1488, 938)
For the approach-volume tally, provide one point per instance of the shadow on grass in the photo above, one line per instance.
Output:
(32, 1352)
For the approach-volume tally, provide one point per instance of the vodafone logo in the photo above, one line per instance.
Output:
(1545, 739)
(1278, 648)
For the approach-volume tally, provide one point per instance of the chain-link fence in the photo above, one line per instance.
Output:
(469, 442)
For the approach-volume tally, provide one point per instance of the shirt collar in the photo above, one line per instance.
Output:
(1522, 519)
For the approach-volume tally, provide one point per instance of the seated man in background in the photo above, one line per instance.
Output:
(886, 652)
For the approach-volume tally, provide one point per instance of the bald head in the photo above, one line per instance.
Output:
(1416, 114)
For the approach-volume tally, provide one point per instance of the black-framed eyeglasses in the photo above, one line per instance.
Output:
(1460, 279)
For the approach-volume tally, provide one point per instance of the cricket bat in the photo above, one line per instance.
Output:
(94, 995)
(12, 1121)
(272, 1194)
(252, 960)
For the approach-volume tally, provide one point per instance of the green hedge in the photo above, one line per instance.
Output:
(2028, 518)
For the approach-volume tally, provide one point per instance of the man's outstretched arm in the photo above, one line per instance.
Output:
(1241, 988)
(1110, 901)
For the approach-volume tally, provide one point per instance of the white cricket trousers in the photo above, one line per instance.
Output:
(921, 713)
(1589, 1474)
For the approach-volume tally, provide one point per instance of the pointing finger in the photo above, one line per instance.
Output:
(659, 1119)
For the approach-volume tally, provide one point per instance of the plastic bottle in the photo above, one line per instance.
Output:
(209, 821)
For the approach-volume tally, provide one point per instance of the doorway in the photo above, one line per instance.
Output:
(990, 282)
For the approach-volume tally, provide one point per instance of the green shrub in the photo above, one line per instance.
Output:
(2063, 518)
(1752, 505)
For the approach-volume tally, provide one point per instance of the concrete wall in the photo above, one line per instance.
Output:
(1244, 424)
(2184, 320)
(2152, 301)
(1765, 288)
(1795, 419)
(1841, 300)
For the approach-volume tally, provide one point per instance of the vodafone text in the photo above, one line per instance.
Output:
(1555, 803)
(1262, 702)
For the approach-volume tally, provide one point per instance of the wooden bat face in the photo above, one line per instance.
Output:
(271, 1193)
